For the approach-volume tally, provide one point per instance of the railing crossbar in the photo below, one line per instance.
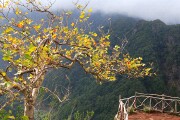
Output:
(142, 102)
(137, 93)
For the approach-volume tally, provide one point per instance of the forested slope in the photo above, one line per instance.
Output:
(156, 42)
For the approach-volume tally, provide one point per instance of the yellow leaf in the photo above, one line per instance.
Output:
(72, 24)
(112, 78)
(140, 58)
(37, 27)
(1, 6)
(17, 11)
(94, 34)
(65, 30)
(147, 69)
(11, 117)
(3, 74)
(1, 17)
(29, 21)
(90, 10)
(45, 48)
(79, 6)
(107, 37)
(54, 36)
(68, 53)
(9, 29)
(45, 30)
(32, 48)
(82, 15)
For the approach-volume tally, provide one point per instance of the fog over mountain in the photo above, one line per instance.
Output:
(165, 10)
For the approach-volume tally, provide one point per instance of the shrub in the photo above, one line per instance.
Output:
(147, 109)
(130, 110)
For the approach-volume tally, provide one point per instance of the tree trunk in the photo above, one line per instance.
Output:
(29, 103)
(29, 109)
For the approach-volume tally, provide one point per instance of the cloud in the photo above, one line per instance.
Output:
(165, 10)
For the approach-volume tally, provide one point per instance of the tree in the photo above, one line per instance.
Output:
(34, 47)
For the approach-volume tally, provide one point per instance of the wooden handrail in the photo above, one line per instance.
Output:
(140, 96)
(162, 103)
(137, 93)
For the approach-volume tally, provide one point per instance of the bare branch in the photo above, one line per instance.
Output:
(11, 94)
(55, 95)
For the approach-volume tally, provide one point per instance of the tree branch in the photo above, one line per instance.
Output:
(45, 88)
(10, 101)
(4, 75)
(15, 85)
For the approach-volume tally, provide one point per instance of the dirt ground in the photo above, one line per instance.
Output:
(152, 116)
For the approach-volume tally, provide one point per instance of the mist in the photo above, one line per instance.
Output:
(165, 10)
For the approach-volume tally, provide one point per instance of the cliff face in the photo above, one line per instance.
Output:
(160, 44)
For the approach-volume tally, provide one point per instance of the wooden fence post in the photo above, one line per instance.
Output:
(175, 106)
(127, 103)
(119, 97)
(163, 103)
(135, 100)
(120, 109)
(150, 104)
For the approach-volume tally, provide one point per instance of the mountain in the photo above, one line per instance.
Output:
(160, 44)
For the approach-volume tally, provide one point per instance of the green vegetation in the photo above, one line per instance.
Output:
(81, 116)
(147, 109)
(130, 110)
(147, 39)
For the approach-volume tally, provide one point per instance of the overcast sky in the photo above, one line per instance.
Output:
(166, 10)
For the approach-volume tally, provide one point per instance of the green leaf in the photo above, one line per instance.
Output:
(32, 48)
(11, 117)
(8, 84)
(25, 118)
(27, 56)
(5, 58)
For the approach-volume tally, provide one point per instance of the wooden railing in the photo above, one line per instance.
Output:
(122, 113)
(148, 102)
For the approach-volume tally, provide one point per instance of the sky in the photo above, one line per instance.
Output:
(166, 10)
